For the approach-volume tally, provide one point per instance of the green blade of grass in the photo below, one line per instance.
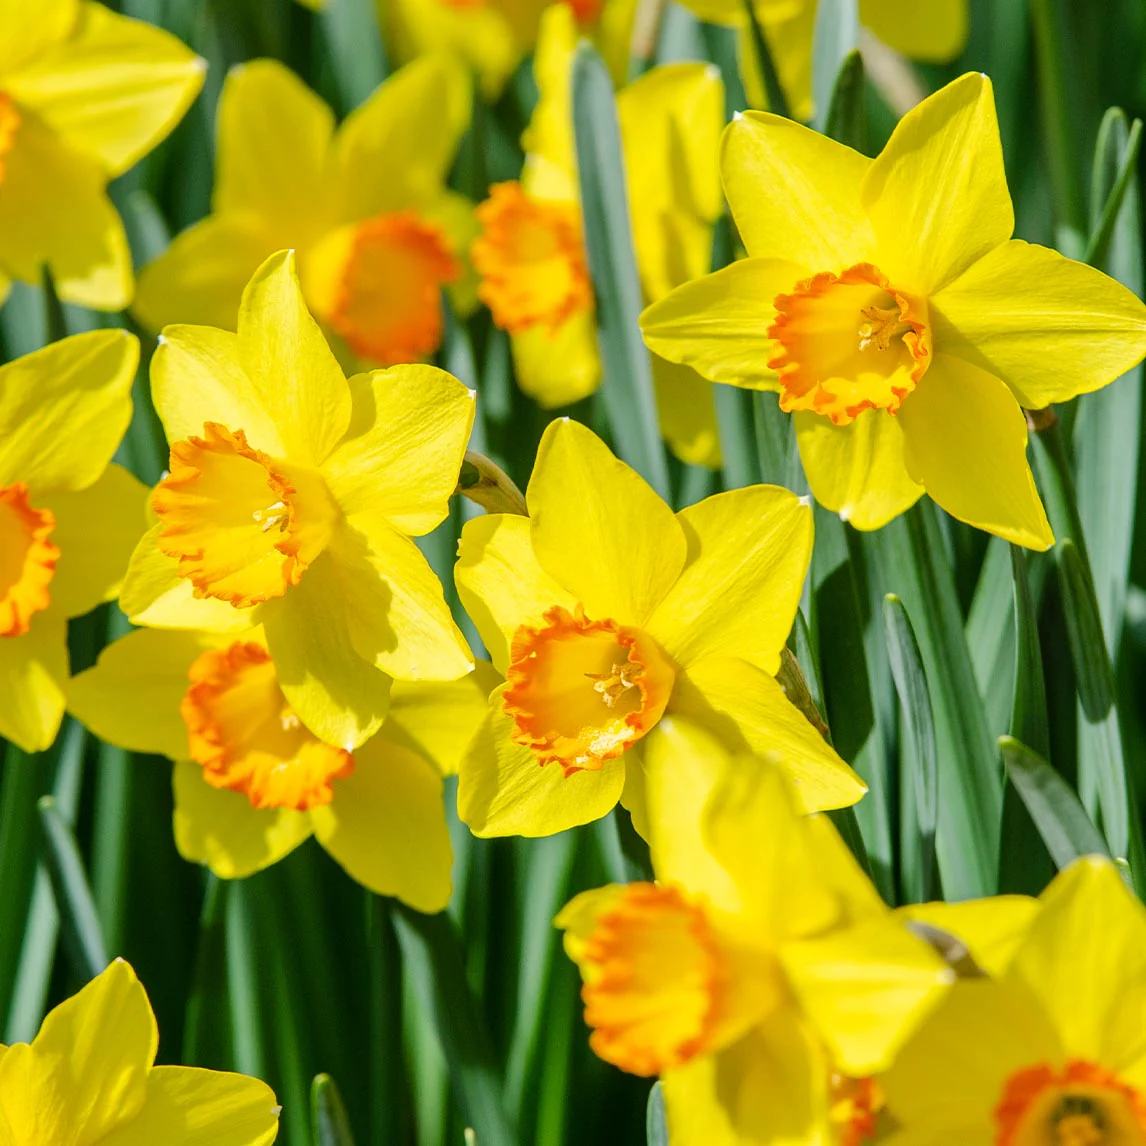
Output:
(329, 1123)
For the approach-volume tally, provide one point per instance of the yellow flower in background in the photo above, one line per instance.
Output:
(252, 782)
(88, 1077)
(377, 233)
(933, 32)
(84, 94)
(68, 519)
(531, 255)
(888, 305)
(493, 36)
(291, 503)
(606, 611)
(761, 960)
(1050, 1051)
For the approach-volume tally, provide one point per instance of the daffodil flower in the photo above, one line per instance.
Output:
(84, 94)
(377, 233)
(252, 782)
(291, 502)
(932, 32)
(606, 611)
(1049, 1050)
(68, 519)
(531, 255)
(493, 36)
(88, 1076)
(761, 960)
(901, 324)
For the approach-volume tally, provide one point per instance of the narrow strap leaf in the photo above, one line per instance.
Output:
(329, 1123)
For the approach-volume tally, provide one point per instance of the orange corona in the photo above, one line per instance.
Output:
(246, 737)
(847, 343)
(27, 560)
(581, 691)
(654, 978)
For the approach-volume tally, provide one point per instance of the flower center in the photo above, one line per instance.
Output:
(243, 526)
(654, 976)
(855, 1103)
(530, 259)
(1081, 1104)
(9, 126)
(27, 559)
(246, 737)
(847, 343)
(386, 301)
(582, 692)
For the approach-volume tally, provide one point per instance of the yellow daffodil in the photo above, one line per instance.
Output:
(530, 252)
(1050, 1050)
(760, 960)
(493, 36)
(252, 782)
(902, 325)
(88, 1077)
(84, 93)
(68, 519)
(377, 233)
(291, 502)
(934, 31)
(605, 611)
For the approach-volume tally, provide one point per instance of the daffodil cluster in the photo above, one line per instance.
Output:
(632, 645)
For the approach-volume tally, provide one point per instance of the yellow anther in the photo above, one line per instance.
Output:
(616, 682)
(273, 517)
(881, 327)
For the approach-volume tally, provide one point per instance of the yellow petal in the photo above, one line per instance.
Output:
(686, 409)
(113, 89)
(33, 670)
(154, 594)
(96, 530)
(438, 719)
(274, 137)
(99, 1045)
(935, 32)
(339, 696)
(55, 210)
(219, 828)
(578, 918)
(26, 31)
(401, 622)
(748, 710)
(857, 470)
(719, 324)
(503, 791)
(865, 988)
(965, 442)
(990, 929)
(402, 453)
(200, 277)
(500, 583)
(131, 696)
(748, 556)
(1051, 328)
(551, 161)
(599, 528)
(387, 827)
(397, 148)
(937, 193)
(1084, 959)
(77, 390)
(290, 365)
(795, 194)
(188, 1107)
(561, 366)
(197, 377)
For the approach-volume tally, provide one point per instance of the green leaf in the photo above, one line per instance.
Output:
(1066, 829)
(835, 52)
(656, 1121)
(1093, 673)
(915, 706)
(628, 380)
(79, 923)
(846, 120)
(1115, 164)
(329, 1123)
(990, 632)
(1029, 708)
